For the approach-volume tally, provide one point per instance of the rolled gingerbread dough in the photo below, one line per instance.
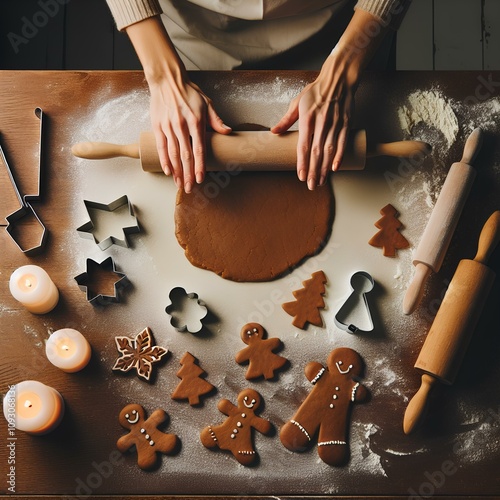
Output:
(257, 227)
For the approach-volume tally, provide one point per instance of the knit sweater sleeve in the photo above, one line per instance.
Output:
(127, 12)
(390, 12)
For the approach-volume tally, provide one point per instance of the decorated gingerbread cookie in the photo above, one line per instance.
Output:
(326, 409)
(259, 353)
(235, 433)
(139, 353)
(144, 435)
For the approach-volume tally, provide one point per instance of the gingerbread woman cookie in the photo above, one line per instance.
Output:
(235, 433)
(144, 435)
(259, 353)
(326, 409)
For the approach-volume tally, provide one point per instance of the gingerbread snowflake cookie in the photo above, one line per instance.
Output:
(144, 435)
(259, 353)
(326, 409)
(139, 353)
(235, 433)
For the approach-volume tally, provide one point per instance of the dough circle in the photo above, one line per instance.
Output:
(253, 226)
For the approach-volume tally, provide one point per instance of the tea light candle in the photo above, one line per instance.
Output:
(33, 288)
(68, 349)
(38, 408)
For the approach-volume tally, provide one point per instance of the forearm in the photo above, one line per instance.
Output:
(156, 51)
(360, 40)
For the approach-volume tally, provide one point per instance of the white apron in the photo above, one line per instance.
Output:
(225, 34)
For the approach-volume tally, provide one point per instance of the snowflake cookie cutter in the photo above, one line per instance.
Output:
(106, 266)
(87, 230)
(178, 311)
(361, 284)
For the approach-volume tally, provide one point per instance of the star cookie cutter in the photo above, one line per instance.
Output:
(180, 309)
(87, 230)
(361, 284)
(106, 266)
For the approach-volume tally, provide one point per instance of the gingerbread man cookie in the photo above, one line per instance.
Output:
(259, 353)
(326, 409)
(235, 433)
(144, 435)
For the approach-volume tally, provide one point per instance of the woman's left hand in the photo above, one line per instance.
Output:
(323, 109)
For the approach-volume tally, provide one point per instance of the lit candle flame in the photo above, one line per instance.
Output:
(28, 283)
(65, 347)
(27, 404)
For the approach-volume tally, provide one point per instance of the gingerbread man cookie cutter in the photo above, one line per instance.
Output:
(357, 305)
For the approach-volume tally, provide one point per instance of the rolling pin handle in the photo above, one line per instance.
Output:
(415, 291)
(104, 150)
(417, 407)
(472, 146)
(402, 149)
(489, 238)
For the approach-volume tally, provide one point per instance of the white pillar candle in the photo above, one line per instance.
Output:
(32, 287)
(35, 407)
(68, 349)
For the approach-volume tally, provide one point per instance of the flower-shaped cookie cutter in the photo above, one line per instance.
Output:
(361, 284)
(87, 230)
(85, 284)
(180, 309)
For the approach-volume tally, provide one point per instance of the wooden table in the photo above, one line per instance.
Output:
(70, 460)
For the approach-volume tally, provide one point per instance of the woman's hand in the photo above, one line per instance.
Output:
(180, 111)
(325, 106)
(323, 109)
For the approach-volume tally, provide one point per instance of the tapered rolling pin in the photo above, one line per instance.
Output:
(437, 235)
(450, 333)
(249, 150)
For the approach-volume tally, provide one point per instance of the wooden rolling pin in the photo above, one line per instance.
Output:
(451, 331)
(436, 238)
(249, 150)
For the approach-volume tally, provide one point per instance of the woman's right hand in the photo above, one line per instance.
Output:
(180, 111)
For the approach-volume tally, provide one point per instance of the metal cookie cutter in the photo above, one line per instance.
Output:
(25, 216)
(186, 310)
(88, 229)
(354, 307)
(86, 284)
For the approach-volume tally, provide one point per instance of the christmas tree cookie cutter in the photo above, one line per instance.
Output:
(86, 282)
(186, 310)
(88, 230)
(357, 307)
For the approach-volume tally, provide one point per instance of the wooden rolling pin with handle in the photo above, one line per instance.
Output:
(250, 150)
(437, 235)
(450, 333)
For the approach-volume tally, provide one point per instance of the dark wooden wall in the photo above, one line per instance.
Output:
(79, 34)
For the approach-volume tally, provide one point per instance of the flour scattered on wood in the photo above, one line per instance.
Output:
(429, 108)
